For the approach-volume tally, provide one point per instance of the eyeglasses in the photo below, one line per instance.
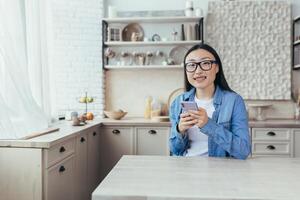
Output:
(205, 65)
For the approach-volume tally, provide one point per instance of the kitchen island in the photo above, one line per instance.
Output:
(158, 177)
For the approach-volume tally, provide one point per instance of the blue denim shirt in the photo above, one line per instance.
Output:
(227, 131)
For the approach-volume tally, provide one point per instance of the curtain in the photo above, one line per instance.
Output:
(20, 115)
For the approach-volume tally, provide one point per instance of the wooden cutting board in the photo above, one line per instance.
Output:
(39, 133)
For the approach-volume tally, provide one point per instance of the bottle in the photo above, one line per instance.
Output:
(147, 112)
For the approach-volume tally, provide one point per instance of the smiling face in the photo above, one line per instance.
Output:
(201, 79)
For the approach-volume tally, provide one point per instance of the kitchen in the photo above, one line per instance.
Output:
(98, 56)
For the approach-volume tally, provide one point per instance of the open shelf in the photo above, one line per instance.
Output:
(143, 67)
(141, 43)
(296, 66)
(297, 42)
(179, 19)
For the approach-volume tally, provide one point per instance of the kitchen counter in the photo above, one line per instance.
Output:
(158, 177)
(68, 131)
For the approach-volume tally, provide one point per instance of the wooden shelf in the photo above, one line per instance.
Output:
(297, 42)
(141, 43)
(296, 66)
(143, 67)
(297, 18)
(179, 19)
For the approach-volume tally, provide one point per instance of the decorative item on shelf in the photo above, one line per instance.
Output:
(109, 53)
(174, 35)
(156, 37)
(189, 9)
(133, 30)
(114, 33)
(126, 58)
(149, 55)
(112, 12)
(177, 54)
(198, 12)
(117, 115)
(189, 32)
(259, 107)
(182, 32)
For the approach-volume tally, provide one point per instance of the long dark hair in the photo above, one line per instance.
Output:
(220, 77)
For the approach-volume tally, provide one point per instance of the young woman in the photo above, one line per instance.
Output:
(219, 127)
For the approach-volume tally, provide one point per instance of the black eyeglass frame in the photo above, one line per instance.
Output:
(199, 65)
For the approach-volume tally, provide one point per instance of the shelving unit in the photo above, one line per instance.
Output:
(180, 19)
(153, 44)
(296, 43)
(162, 67)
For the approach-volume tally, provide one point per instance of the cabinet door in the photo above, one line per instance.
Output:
(60, 178)
(81, 167)
(152, 141)
(115, 142)
(93, 159)
(296, 142)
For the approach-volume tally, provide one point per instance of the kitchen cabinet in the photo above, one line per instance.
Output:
(60, 180)
(296, 133)
(67, 168)
(282, 142)
(115, 141)
(152, 141)
(93, 159)
(81, 166)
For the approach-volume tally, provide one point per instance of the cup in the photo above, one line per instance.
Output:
(112, 11)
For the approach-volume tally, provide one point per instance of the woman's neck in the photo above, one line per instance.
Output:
(205, 93)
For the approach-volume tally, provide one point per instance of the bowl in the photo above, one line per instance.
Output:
(115, 114)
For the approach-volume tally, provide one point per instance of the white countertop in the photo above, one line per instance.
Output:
(67, 130)
(159, 177)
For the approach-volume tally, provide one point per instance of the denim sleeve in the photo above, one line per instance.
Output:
(237, 141)
(177, 142)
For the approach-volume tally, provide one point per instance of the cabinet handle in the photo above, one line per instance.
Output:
(94, 133)
(271, 133)
(62, 149)
(62, 169)
(152, 132)
(271, 147)
(82, 139)
(116, 131)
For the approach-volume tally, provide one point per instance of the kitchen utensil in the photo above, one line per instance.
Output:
(133, 29)
(117, 115)
(177, 54)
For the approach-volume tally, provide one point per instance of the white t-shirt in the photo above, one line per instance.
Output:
(198, 140)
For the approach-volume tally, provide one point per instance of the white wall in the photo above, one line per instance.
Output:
(75, 53)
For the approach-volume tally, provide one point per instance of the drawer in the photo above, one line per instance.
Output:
(270, 148)
(59, 152)
(152, 141)
(270, 134)
(60, 180)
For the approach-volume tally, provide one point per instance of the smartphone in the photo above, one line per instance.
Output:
(189, 105)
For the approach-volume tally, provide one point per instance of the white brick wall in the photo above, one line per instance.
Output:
(75, 54)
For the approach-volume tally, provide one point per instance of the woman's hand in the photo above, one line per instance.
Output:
(185, 122)
(200, 117)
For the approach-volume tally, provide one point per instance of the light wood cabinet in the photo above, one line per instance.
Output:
(81, 166)
(115, 142)
(94, 171)
(296, 133)
(281, 142)
(60, 180)
(152, 141)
